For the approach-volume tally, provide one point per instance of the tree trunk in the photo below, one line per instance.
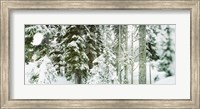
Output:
(125, 27)
(118, 53)
(132, 60)
(77, 78)
(150, 73)
(142, 54)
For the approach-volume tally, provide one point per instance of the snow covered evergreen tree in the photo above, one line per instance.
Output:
(42, 72)
(75, 56)
(167, 56)
(91, 43)
(99, 40)
(97, 54)
(151, 48)
(103, 71)
(160, 49)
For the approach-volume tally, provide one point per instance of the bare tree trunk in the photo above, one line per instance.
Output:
(118, 59)
(132, 60)
(142, 54)
(150, 73)
(126, 54)
(77, 78)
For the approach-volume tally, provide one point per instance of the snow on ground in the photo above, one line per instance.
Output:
(59, 80)
(45, 72)
(62, 80)
(167, 81)
(28, 74)
(151, 72)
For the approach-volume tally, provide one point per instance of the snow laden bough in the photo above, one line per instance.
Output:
(37, 39)
(103, 71)
(40, 72)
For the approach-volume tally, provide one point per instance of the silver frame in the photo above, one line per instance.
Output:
(8, 5)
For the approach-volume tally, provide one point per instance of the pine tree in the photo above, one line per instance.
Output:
(103, 71)
(37, 48)
(99, 41)
(42, 72)
(167, 56)
(75, 56)
(91, 43)
(151, 49)
(57, 48)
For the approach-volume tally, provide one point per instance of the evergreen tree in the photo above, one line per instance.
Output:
(75, 56)
(151, 49)
(42, 72)
(32, 46)
(91, 43)
(107, 53)
(99, 41)
(104, 71)
(167, 56)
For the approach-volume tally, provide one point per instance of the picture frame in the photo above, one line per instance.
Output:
(6, 7)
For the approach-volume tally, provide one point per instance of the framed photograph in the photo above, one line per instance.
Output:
(100, 54)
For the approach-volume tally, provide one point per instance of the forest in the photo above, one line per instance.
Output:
(99, 54)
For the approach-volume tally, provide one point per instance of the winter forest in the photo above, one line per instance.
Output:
(100, 54)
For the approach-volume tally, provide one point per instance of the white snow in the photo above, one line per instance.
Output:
(103, 70)
(54, 42)
(60, 80)
(84, 66)
(42, 70)
(34, 57)
(166, 81)
(72, 44)
(37, 39)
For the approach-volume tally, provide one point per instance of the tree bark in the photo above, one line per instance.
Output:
(125, 27)
(77, 78)
(150, 73)
(132, 60)
(118, 53)
(142, 54)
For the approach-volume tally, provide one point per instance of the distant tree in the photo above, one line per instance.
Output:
(167, 57)
(118, 49)
(133, 54)
(104, 70)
